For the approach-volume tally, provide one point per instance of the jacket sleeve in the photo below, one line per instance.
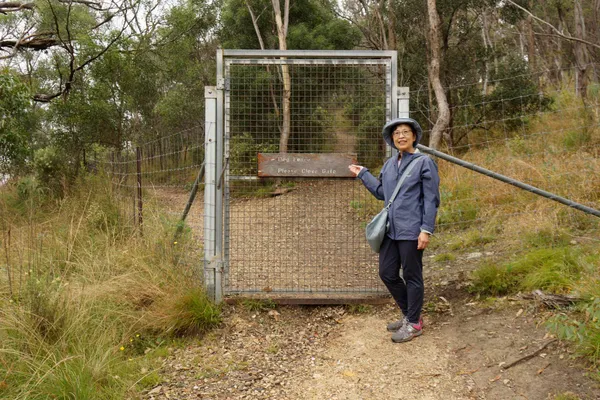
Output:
(372, 184)
(431, 194)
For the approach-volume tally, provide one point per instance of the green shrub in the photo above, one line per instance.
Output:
(244, 153)
(584, 331)
(29, 189)
(50, 169)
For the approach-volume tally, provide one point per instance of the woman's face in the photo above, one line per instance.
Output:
(404, 138)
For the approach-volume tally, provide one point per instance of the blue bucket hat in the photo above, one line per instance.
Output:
(388, 129)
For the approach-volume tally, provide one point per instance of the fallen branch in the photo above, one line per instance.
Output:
(552, 300)
(528, 356)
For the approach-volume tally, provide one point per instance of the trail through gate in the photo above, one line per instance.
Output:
(294, 235)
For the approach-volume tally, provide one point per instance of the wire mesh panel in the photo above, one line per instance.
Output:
(302, 235)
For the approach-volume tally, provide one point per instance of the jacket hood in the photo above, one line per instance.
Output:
(388, 129)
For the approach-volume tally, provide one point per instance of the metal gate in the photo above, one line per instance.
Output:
(299, 237)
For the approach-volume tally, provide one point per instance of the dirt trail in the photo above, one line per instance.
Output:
(362, 363)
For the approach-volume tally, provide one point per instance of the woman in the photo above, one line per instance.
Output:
(411, 222)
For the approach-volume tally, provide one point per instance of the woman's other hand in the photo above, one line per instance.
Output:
(422, 241)
(355, 169)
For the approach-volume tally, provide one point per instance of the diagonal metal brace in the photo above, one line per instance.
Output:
(510, 181)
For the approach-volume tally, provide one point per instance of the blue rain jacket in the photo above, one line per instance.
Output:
(416, 205)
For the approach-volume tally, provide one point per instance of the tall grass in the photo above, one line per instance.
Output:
(79, 288)
(557, 270)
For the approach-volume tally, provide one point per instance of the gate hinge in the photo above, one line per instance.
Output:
(223, 84)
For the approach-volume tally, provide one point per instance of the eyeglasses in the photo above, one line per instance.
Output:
(407, 134)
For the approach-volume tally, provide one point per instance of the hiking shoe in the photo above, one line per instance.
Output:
(407, 332)
(394, 326)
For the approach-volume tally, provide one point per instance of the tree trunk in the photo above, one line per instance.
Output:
(559, 45)
(384, 42)
(531, 46)
(486, 63)
(434, 76)
(391, 26)
(596, 30)
(581, 52)
(282, 25)
(262, 47)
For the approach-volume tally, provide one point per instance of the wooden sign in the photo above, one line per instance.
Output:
(325, 165)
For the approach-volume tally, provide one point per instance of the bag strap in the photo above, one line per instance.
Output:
(409, 168)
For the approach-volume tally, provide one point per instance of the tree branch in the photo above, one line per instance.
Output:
(16, 46)
(91, 4)
(44, 98)
(558, 32)
(255, 24)
(36, 42)
(14, 6)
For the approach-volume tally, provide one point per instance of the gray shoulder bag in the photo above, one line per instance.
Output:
(378, 227)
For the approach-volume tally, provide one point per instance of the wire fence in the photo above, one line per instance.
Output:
(153, 178)
(538, 134)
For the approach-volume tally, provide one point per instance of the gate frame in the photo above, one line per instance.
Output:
(216, 215)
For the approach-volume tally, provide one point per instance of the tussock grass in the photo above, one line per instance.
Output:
(556, 270)
(84, 300)
(567, 396)
(258, 304)
(444, 257)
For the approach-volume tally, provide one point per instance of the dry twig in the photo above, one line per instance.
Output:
(528, 356)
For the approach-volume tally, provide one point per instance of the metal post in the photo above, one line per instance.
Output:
(221, 87)
(391, 86)
(403, 102)
(139, 188)
(210, 188)
(402, 107)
